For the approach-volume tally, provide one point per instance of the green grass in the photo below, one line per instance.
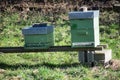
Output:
(51, 65)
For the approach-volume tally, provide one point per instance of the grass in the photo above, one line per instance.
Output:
(50, 65)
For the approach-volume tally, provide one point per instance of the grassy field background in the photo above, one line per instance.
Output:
(51, 65)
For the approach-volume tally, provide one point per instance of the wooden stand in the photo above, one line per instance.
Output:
(87, 55)
(92, 58)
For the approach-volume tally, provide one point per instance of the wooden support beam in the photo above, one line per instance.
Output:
(51, 49)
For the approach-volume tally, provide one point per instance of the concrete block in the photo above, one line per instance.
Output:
(86, 57)
(104, 46)
(103, 56)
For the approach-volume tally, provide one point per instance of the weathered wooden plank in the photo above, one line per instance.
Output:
(51, 49)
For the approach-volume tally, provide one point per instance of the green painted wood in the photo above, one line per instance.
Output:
(39, 41)
(85, 32)
(81, 23)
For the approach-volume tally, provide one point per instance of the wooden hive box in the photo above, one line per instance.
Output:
(38, 36)
(84, 28)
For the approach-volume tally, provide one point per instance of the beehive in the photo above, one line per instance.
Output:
(84, 28)
(38, 36)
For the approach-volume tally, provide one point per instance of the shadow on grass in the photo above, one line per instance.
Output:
(49, 65)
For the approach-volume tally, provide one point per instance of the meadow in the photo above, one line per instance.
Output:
(51, 65)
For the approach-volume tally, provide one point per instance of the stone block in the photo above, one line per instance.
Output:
(103, 56)
(86, 57)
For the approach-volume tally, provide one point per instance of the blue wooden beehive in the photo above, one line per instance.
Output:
(38, 36)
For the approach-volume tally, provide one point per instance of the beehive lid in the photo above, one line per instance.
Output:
(83, 15)
(37, 29)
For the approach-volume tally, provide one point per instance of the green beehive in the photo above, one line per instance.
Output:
(84, 28)
(39, 36)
